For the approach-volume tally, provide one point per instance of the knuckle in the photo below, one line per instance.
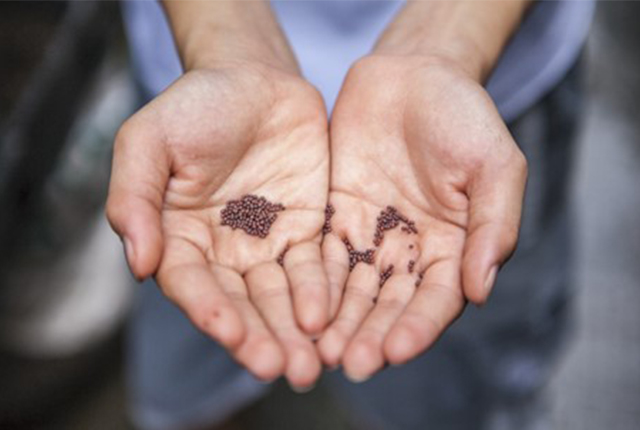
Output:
(338, 266)
(413, 328)
(418, 322)
(391, 304)
(174, 281)
(236, 296)
(453, 295)
(369, 336)
(357, 293)
(300, 265)
(345, 325)
(268, 294)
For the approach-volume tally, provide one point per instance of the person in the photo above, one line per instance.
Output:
(413, 135)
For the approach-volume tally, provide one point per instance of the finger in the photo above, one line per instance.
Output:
(269, 292)
(186, 280)
(139, 175)
(359, 296)
(494, 220)
(336, 263)
(309, 286)
(364, 354)
(260, 352)
(437, 302)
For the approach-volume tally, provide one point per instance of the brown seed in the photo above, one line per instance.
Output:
(251, 213)
(386, 274)
(411, 266)
(356, 256)
(389, 219)
(329, 211)
(420, 277)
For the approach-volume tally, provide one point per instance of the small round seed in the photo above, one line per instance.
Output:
(252, 214)
(411, 266)
(389, 219)
(419, 280)
(329, 211)
(356, 256)
(386, 274)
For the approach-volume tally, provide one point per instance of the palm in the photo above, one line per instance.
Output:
(218, 136)
(417, 146)
(271, 153)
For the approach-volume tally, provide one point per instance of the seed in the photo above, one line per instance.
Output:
(329, 211)
(386, 274)
(280, 259)
(420, 277)
(251, 213)
(411, 266)
(356, 256)
(389, 219)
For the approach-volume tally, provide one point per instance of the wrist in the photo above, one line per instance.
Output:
(210, 33)
(210, 47)
(468, 35)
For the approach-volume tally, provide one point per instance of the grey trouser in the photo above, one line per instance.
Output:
(491, 361)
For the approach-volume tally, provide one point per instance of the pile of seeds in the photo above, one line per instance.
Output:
(411, 266)
(386, 274)
(329, 211)
(389, 219)
(356, 256)
(253, 214)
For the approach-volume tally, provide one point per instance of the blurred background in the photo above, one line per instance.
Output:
(65, 292)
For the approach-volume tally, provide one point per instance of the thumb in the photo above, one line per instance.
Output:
(139, 176)
(496, 197)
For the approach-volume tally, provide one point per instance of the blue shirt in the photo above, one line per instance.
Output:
(328, 36)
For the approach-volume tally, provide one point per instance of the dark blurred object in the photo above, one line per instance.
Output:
(614, 72)
(75, 37)
(42, 394)
(25, 30)
(50, 56)
(621, 22)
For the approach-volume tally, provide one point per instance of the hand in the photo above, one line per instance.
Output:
(214, 136)
(420, 135)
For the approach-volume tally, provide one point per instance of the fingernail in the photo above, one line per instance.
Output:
(130, 253)
(491, 280)
(357, 379)
(302, 390)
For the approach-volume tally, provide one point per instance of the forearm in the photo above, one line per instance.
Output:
(470, 34)
(211, 32)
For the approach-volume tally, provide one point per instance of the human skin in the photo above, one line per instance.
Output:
(413, 128)
(240, 121)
